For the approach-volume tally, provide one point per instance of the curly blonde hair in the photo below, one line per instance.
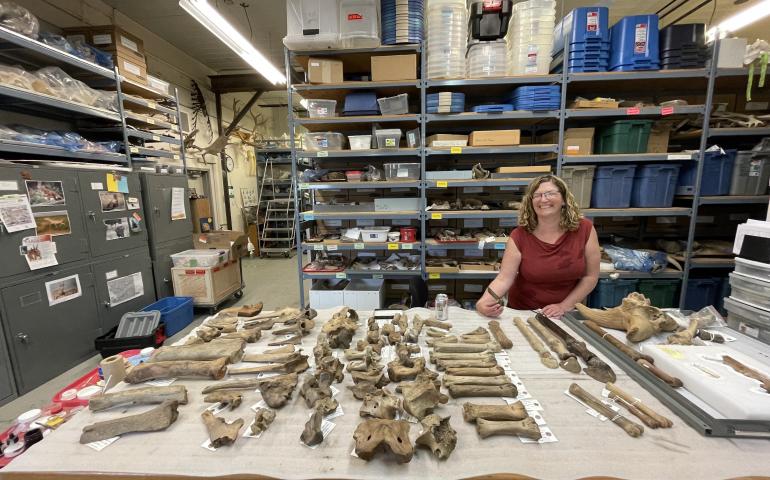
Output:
(570, 213)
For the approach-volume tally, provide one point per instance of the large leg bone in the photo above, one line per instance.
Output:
(630, 352)
(647, 415)
(497, 331)
(631, 428)
(270, 357)
(438, 436)
(207, 334)
(230, 349)
(684, 337)
(380, 404)
(595, 367)
(473, 411)
(159, 418)
(249, 384)
(545, 355)
(276, 391)
(445, 364)
(214, 369)
(432, 322)
(467, 347)
(393, 434)
(460, 391)
(526, 428)
(421, 396)
(673, 381)
(297, 364)
(312, 434)
(461, 380)
(248, 335)
(475, 372)
(436, 333)
(221, 433)
(262, 420)
(231, 399)
(436, 356)
(569, 361)
(747, 371)
(144, 395)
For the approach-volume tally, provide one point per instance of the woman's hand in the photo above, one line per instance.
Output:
(489, 307)
(555, 310)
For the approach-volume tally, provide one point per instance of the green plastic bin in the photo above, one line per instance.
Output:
(624, 136)
(662, 293)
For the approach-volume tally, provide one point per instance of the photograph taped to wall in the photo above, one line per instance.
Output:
(123, 289)
(112, 202)
(45, 194)
(63, 289)
(15, 213)
(132, 203)
(116, 228)
(53, 223)
(39, 251)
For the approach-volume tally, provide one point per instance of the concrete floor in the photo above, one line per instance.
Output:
(272, 281)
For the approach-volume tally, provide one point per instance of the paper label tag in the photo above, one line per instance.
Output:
(134, 149)
(640, 38)
(161, 382)
(309, 216)
(9, 186)
(407, 246)
(679, 156)
(455, 150)
(103, 39)
(97, 186)
(342, 275)
(441, 184)
(592, 21)
(129, 44)
(633, 111)
(131, 68)
(322, 154)
(434, 276)
(150, 120)
(318, 247)
(332, 248)
(111, 275)
(392, 246)
(666, 111)
(358, 246)
(102, 444)
(436, 216)
(151, 104)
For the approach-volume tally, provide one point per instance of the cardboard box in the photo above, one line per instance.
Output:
(447, 140)
(110, 38)
(659, 134)
(493, 138)
(324, 70)
(442, 269)
(237, 242)
(595, 103)
(477, 266)
(131, 68)
(531, 171)
(579, 141)
(389, 68)
(201, 215)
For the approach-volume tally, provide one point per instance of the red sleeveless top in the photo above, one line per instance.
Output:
(548, 271)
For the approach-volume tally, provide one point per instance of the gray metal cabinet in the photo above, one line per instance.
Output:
(57, 209)
(157, 191)
(115, 221)
(161, 264)
(7, 385)
(51, 322)
(123, 284)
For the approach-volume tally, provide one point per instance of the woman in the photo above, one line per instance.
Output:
(551, 260)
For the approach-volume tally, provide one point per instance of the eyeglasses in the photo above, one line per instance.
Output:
(546, 195)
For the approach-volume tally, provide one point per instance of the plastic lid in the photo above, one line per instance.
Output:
(70, 394)
(13, 450)
(29, 416)
(147, 351)
(88, 392)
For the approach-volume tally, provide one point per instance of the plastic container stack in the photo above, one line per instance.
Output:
(361, 103)
(359, 23)
(624, 136)
(752, 170)
(613, 186)
(634, 44)
(586, 31)
(312, 25)
(717, 172)
(487, 59)
(402, 21)
(683, 45)
(447, 35)
(654, 186)
(536, 98)
(530, 37)
(748, 307)
(445, 102)
(488, 19)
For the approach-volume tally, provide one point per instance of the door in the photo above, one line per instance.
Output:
(7, 387)
(123, 284)
(114, 220)
(158, 191)
(51, 322)
(54, 198)
(161, 265)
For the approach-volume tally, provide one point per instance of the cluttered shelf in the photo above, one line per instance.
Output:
(502, 150)
(333, 245)
(312, 215)
(490, 182)
(41, 101)
(347, 185)
(373, 152)
(652, 111)
(25, 148)
(626, 158)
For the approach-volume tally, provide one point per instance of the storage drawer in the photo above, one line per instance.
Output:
(123, 284)
(748, 320)
(750, 290)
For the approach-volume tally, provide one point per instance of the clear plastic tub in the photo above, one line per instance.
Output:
(317, 108)
(397, 105)
(753, 269)
(402, 171)
(316, 141)
(200, 258)
(388, 138)
(359, 23)
(311, 24)
(375, 234)
(748, 320)
(353, 175)
(750, 290)
(360, 142)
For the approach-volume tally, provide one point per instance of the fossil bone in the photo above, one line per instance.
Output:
(631, 428)
(671, 380)
(231, 399)
(747, 371)
(333, 366)
(351, 354)
(436, 333)
(432, 322)
(295, 365)
(497, 332)
(569, 361)
(262, 420)
(248, 335)
(315, 387)
(475, 372)
(630, 352)
(276, 391)
(293, 340)
(399, 370)
(380, 404)
(463, 380)
(221, 433)
(249, 384)
(438, 436)
(647, 415)
(595, 367)
(401, 321)
(437, 356)
(158, 418)
(143, 395)
(460, 391)
(545, 355)
(341, 328)
(473, 411)
(526, 428)
(283, 349)
(684, 337)
(214, 369)
(270, 357)
(207, 334)
(361, 389)
(312, 434)
(243, 310)
(377, 379)
(446, 364)
(392, 435)
(635, 315)
(231, 349)
(467, 347)
(421, 396)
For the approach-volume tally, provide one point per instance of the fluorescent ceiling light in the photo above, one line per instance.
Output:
(745, 17)
(210, 18)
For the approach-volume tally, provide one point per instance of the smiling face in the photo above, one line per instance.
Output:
(547, 200)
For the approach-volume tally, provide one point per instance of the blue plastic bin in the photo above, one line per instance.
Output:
(634, 41)
(654, 186)
(361, 103)
(717, 174)
(609, 292)
(585, 25)
(175, 312)
(701, 292)
(612, 186)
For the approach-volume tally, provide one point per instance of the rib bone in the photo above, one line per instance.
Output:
(631, 428)
(159, 418)
(144, 395)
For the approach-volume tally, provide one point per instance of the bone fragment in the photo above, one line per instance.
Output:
(467, 347)
(232, 349)
(377, 379)
(276, 391)
(361, 389)
(473, 411)
(569, 361)
(207, 334)
(463, 380)
(631, 428)
(262, 420)
(136, 396)
(296, 365)
(630, 352)
(647, 415)
(596, 368)
(248, 335)
(673, 381)
(545, 355)
(380, 404)
(158, 418)
(221, 433)
(249, 384)
(526, 428)
(436, 333)
(231, 399)
(270, 357)
(312, 434)
(684, 337)
(445, 364)
(421, 396)
(497, 331)
(438, 436)
(393, 435)
(314, 388)
(460, 391)
(747, 371)
(294, 340)
(214, 369)
(283, 349)
(475, 372)
(432, 322)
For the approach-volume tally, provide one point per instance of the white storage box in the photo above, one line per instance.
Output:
(158, 85)
(317, 141)
(396, 204)
(311, 24)
(199, 258)
(318, 108)
(375, 234)
(359, 23)
(327, 293)
(402, 171)
(208, 286)
(360, 142)
(449, 175)
(750, 290)
(753, 269)
(398, 105)
(388, 138)
(364, 294)
(748, 320)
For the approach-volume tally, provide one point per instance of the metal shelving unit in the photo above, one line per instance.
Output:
(696, 80)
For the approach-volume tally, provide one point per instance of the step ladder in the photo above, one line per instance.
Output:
(278, 234)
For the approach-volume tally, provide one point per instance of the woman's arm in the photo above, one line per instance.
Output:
(585, 285)
(509, 268)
